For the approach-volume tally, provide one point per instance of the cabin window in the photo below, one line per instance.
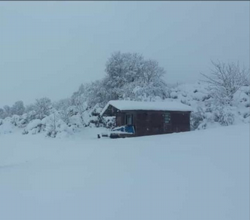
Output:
(167, 118)
(129, 119)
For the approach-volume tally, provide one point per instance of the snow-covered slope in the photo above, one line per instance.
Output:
(199, 175)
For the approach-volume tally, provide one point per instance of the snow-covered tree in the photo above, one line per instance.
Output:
(2, 113)
(18, 108)
(30, 108)
(79, 101)
(225, 80)
(152, 71)
(129, 74)
(62, 107)
(7, 110)
(98, 94)
(51, 124)
(42, 107)
(123, 68)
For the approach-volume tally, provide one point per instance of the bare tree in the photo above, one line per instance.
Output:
(224, 80)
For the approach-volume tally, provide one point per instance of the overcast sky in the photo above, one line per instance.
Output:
(50, 48)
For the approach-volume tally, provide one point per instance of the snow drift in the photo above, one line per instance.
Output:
(192, 175)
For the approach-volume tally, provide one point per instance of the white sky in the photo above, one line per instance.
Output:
(50, 48)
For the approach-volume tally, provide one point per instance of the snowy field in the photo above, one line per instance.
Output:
(200, 175)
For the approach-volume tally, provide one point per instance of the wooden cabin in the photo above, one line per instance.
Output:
(149, 118)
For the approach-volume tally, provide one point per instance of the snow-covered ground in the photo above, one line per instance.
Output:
(199, 175)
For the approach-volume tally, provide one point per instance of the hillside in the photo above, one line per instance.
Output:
(69, 119)
(193, 175)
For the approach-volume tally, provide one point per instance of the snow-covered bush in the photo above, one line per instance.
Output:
(108, 121)
(6, 126)
(224, 115)
(196, 118)
(55, 126)
(51, 126)
(15, 120)
(207, 111)
(174, 95)
(34, 127)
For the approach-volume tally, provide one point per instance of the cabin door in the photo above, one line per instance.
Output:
(167, 122)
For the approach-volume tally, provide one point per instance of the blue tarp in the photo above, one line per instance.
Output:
(126, 128)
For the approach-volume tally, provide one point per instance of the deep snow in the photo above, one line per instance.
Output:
(199, 175)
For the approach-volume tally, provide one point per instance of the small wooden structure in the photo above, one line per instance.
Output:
(149, 118)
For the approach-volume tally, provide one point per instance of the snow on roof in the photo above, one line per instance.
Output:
(123, 105)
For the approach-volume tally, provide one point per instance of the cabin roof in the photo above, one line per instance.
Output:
(124, 105)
